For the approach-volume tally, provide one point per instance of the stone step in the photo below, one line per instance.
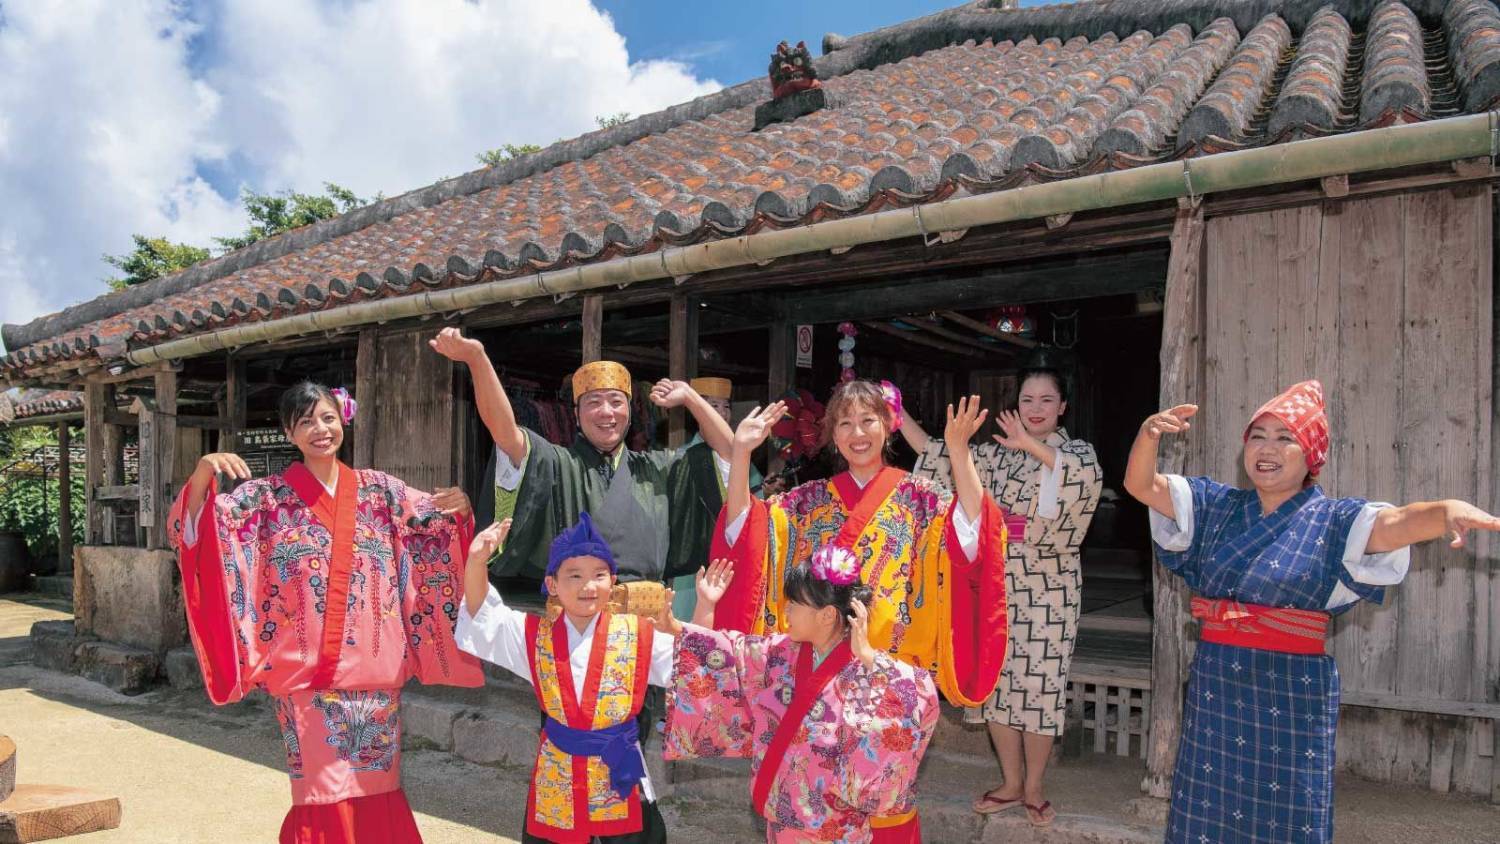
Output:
(125, 669)
(44, 812)
(53, 585)
(54, 646)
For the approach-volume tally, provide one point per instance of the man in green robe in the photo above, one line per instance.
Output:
(630, 495)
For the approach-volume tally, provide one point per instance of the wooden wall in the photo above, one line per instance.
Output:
(1389, 301)
(407, 410)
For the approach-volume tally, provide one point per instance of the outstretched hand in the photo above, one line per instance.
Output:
(1174, 421)
(712, 582)
(223, 463)
(755, 428)
(1013, 433)
(859, 634)
(1463, 517)
(665, 621)
(963, 422)
(668, 393)
(486, 542)
(453, 345)
(452, 501)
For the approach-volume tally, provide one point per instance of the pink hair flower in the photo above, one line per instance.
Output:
(347, 405)
(835, 565)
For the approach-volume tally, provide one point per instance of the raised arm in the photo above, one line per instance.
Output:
(484, 546)
(911, 431)
(716, 432)
(962, 425)
(1142, 481)
(1398, 527)
(494, 405)
(210, 465)
(752, 431)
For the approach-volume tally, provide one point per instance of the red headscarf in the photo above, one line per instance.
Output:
(1301, 409)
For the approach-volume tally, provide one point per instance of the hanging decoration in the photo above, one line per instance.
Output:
(798, 432)
(846, 350)
(1012, 319)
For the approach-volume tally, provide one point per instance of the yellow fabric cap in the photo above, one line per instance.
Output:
(713, 388)
(600, 375)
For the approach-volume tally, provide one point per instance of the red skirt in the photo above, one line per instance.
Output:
(372, 819)
(907, 833)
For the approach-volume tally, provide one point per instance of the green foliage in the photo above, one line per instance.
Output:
(272, 214)
(30, 504)
(496, 157)
(610, 121)
(152, 257)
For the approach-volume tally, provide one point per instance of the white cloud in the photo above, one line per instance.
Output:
(104, 124)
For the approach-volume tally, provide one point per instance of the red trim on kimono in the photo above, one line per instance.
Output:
(978, 603)
(807, 687)
(337, 515)
(580, 716)
(384, 818)
(906, 830)
(206, 596)
(1280, 629)
(744, 602)
(863, 503)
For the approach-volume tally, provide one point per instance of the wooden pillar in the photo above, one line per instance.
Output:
(682, 359)
(782, 373)
(162, 461)
(234, 407)
(64, 499)
(593, 327)
(94, 460)
(1182, 365)
(114, 462)
(364, 389)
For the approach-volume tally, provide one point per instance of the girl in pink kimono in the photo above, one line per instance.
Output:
(834, 729)
(329, 588)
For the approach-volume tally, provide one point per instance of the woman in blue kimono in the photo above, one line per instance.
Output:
(1270, 566)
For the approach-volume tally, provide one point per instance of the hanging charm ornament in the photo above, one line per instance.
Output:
(846, 350)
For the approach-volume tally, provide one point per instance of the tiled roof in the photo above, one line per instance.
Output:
(913, 125)
(31, 403)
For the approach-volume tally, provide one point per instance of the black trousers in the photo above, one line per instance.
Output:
(653, 827)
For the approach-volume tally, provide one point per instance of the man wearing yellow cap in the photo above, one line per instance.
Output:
(693, 523)
(630, 495)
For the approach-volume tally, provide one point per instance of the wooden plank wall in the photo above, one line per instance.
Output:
(1387, 300)
(409, 408)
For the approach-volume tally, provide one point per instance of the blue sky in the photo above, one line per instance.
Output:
(732, 41)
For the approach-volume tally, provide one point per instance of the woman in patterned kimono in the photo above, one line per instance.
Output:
(835, 730)
(1048, 484)
(329, 588)
(1270, 566)
(933, 561)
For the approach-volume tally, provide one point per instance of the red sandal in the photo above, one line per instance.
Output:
(1037, 815)
(989, 804)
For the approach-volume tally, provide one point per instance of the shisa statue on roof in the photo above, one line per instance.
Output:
(792, 70)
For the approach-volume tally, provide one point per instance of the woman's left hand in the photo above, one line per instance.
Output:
(1013, 433)
(452, 501)
(859, 634)
(1462, 517)
(963, 423)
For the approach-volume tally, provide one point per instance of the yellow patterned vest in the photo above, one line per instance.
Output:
(571, 798)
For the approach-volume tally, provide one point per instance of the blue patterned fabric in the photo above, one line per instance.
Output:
(1256, 759)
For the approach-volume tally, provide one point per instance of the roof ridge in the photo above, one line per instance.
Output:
(975, 20)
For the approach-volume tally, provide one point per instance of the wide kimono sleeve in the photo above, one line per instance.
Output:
(890, 713)
(761, 549)
(957, 604)
(934, 464)
(716, 676)
(1355, 572)
(431, 554)
(538, 496)
(220, 583)
(1068, 492)
(1199, 504)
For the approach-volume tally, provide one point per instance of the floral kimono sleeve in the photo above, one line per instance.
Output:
(716, 676)
(431, 552)
(889, 716)
(220, 584)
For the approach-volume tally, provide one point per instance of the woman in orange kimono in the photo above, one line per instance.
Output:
(329, 588)
(934, 560)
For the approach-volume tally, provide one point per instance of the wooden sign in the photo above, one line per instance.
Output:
(150, 467)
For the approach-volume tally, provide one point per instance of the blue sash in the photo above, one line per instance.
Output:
(618, 746)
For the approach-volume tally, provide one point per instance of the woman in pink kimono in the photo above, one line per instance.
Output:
(834, 729)
(329, 588)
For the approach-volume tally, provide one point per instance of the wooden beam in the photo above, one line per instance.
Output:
(934, 327)
(365, 375)
(593, 327)
(1429, 706)
(1182, 370)
(975, 325)
(155, 495)
(142, 373)
(919, 338)
(123, 418)
(93, 449)
(64, 499)
(118, 492)
(682, 359)
(781, 374)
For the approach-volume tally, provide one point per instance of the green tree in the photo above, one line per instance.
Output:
(29, 501)
(610, 121)
(272, 214)
(152, 257)
(496, 157)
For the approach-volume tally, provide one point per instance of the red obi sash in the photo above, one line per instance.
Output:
(1291, 631)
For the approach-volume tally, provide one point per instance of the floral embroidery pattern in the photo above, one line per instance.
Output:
(363, 727)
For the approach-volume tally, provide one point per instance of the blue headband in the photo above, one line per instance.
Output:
(580, 540)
